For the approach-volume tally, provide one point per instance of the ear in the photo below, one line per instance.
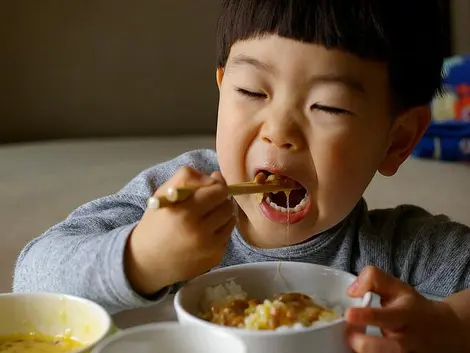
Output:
(406, 132)
(219, 75)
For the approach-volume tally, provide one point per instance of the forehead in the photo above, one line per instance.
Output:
(289, 59)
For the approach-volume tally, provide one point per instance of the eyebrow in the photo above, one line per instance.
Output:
(344, 80)
(241, 60)
(331, 78)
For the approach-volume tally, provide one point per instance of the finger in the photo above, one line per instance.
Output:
(385, 318)
(218, 176)
(185, 177)
(224, 232)
(206, 199)
(219, 217)
(371, 279)
(361, 343)
(350, 328)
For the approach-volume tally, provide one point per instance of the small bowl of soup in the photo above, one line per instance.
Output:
(274, 307)
(50, 323)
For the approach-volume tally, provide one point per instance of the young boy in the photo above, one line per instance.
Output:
(326, 93)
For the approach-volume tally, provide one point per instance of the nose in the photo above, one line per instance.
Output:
(284, 133)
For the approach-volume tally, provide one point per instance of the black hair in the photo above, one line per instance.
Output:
(405, 34)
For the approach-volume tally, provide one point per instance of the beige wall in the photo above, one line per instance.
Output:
(95, 67)
(461, 25)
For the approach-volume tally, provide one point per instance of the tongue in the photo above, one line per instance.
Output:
(295, 197)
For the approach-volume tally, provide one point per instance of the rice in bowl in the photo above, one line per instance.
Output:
(229, 305)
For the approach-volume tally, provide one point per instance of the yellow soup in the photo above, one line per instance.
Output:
(37, 344)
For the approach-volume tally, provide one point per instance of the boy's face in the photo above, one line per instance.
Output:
(318, 116)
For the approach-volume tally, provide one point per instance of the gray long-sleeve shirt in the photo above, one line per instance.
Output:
(83, 255)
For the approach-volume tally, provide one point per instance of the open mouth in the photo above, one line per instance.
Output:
(292, 201)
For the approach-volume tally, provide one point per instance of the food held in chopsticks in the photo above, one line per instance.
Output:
(263, 178)
(263, 184)
(291, 200)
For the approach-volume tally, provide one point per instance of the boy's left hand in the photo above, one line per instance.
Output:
(410, 323)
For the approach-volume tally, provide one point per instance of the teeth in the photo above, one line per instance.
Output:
(297, 208)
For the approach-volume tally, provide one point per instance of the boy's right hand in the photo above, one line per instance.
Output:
(180, 242)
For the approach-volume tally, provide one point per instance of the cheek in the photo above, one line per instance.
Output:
(232, 141)
(347, 161)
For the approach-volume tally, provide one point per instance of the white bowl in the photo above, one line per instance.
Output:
(263, 279)
(54, 314)
(170, 337)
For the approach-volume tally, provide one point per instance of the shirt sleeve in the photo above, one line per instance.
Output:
(84, 254)
(431, 253)
(439, 257)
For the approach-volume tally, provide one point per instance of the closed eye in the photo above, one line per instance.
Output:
(331, 110)
(250, 94)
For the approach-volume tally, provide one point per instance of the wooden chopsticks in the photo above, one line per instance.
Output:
(174, 195)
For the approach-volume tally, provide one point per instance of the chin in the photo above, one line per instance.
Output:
(266, 233)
